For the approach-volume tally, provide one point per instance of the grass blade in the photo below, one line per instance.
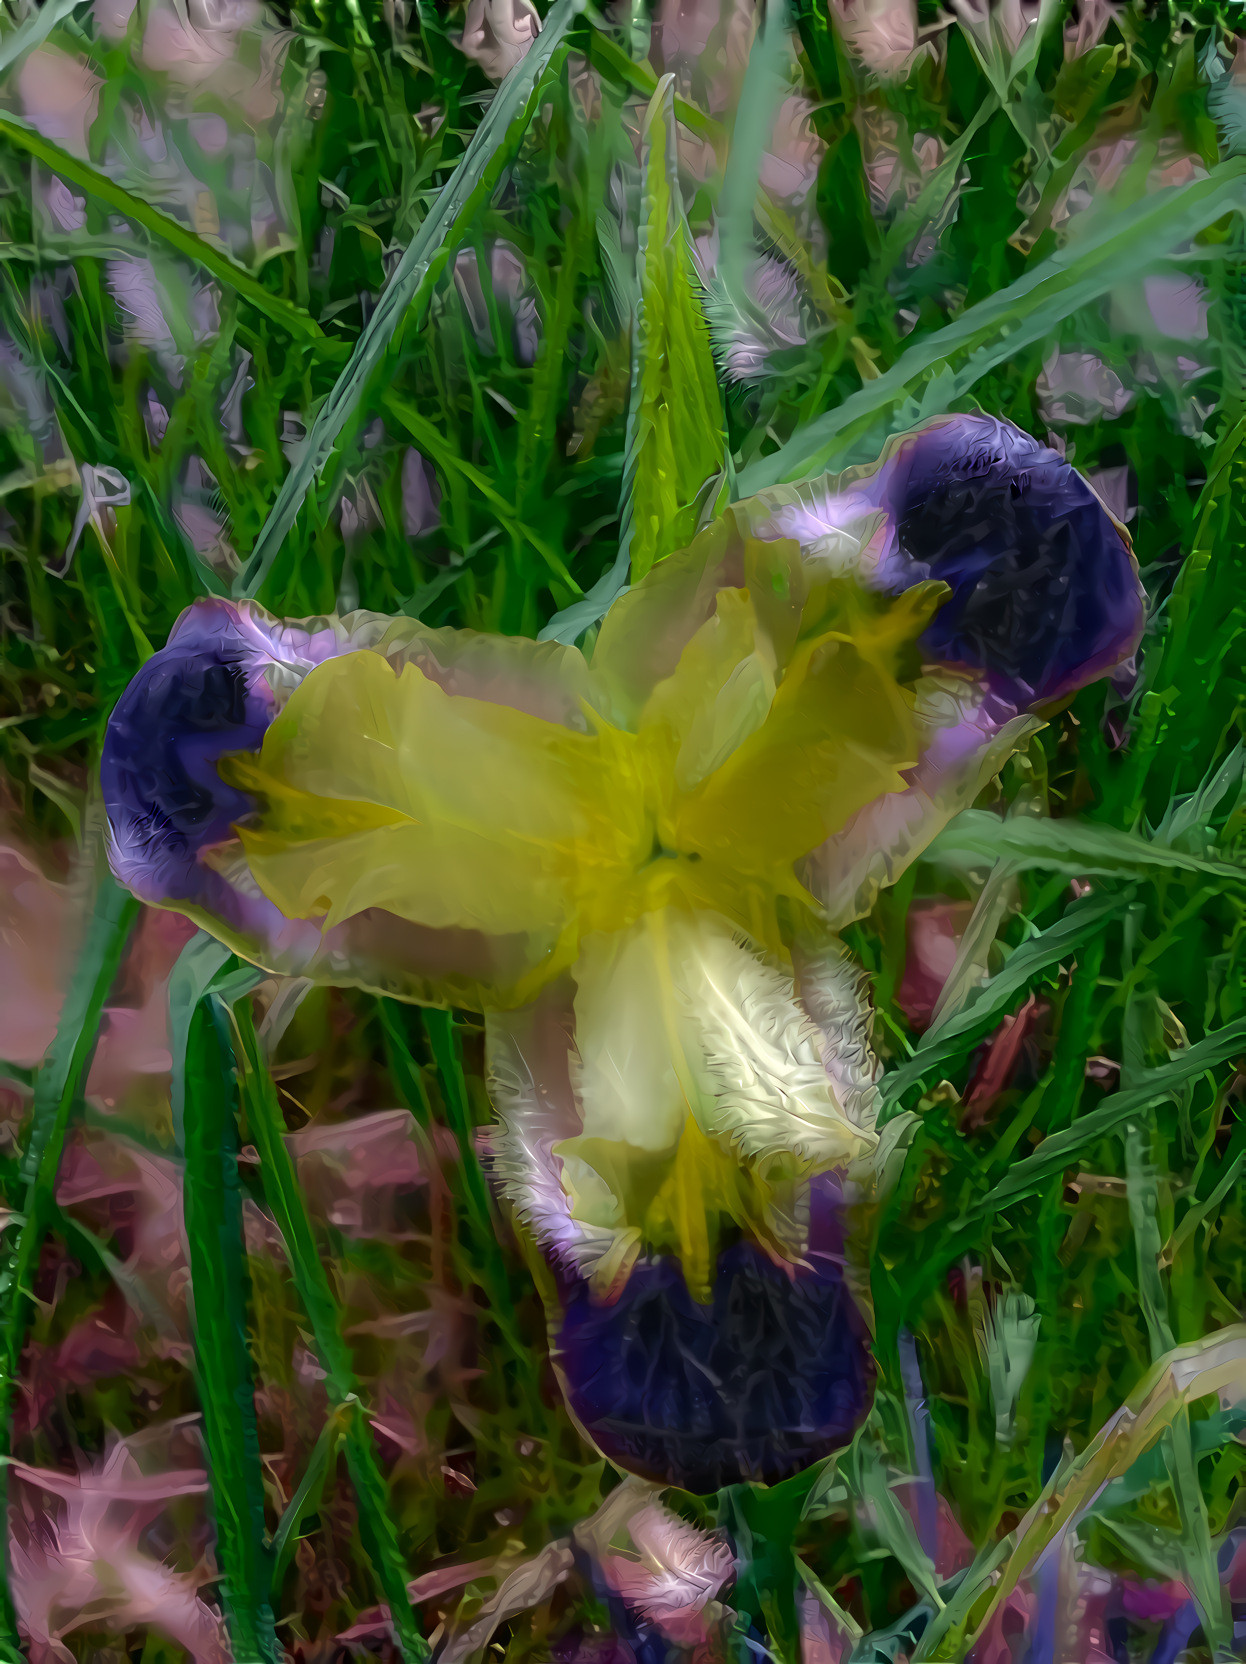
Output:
(1200, 1572)
(996, 327)
(281, 1189)
(1216, 1364)
(675, 445)
(675, 420)
(639, 78)
(1059, 1151)
(492, 144)
(1079, 847)
(56, 1087)
(183, 241)
(1082, 922)
(404, 1071)
(34, 31)
(306, 1498)
(765, 83)
(197, 964)
(219, 1292)
(489, 1268)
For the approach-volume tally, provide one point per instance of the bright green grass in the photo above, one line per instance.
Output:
(540, 469)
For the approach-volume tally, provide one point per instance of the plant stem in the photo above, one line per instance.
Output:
(57, 1087)
(285, 1198)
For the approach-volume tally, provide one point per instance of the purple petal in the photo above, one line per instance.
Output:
(772, 1374)
(1045, 592)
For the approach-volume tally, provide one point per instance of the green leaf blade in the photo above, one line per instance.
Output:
(220, 1290)
(675, 431)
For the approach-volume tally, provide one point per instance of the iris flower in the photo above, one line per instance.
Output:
(635, 867)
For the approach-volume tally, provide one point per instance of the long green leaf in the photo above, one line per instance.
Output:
(1076, 846)
(435, 446)
(493, 144)
(1211, 1365)
(765, 82)
(1059, 1151)
(488, 1265)
(57, 1086)
(219, 1295)
(281, 1189)
(675, 442)
(306, 1498)
(675, 418)
(996, 327)
(161, 225)
(1189, 657)
(1198, 1555)
(952, 1037)
(197, 964)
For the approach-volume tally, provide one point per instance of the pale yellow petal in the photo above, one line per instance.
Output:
(379, 789)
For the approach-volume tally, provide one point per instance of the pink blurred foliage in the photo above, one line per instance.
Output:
(789, 168)
(1111, 486)
(77, 1554)
(355, 1173)
(134, 1040)
(714, 38)
(1092, 21)
(999, 1061)
(1178, 305)
(41, 924)
(373, 1623)
(934, 930)
(1077, 388)
(1103, 165)
(421, 496)
(672, 1574)
(497, 34)
(1007, 21)
(509, 288)
(822, 1639)
(59, 96)
(197, 45)
(883, 34)
(37, 937)
(132, 1197)
(201, 519)
(684, 28)
(953, 1550)
(139, 302)
(100, 1345)
(898, 166)
(1075, 1601)
(214, 63)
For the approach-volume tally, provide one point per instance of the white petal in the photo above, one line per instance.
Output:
(527, 1054)
(769, 1090)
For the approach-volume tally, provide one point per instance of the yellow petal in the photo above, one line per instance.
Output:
(720, 692)
(379, 789)
(839, 732)
(646, 630)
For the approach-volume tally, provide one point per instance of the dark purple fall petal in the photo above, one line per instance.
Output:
(199, 698)
(773, 1373)
(1045, 594)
